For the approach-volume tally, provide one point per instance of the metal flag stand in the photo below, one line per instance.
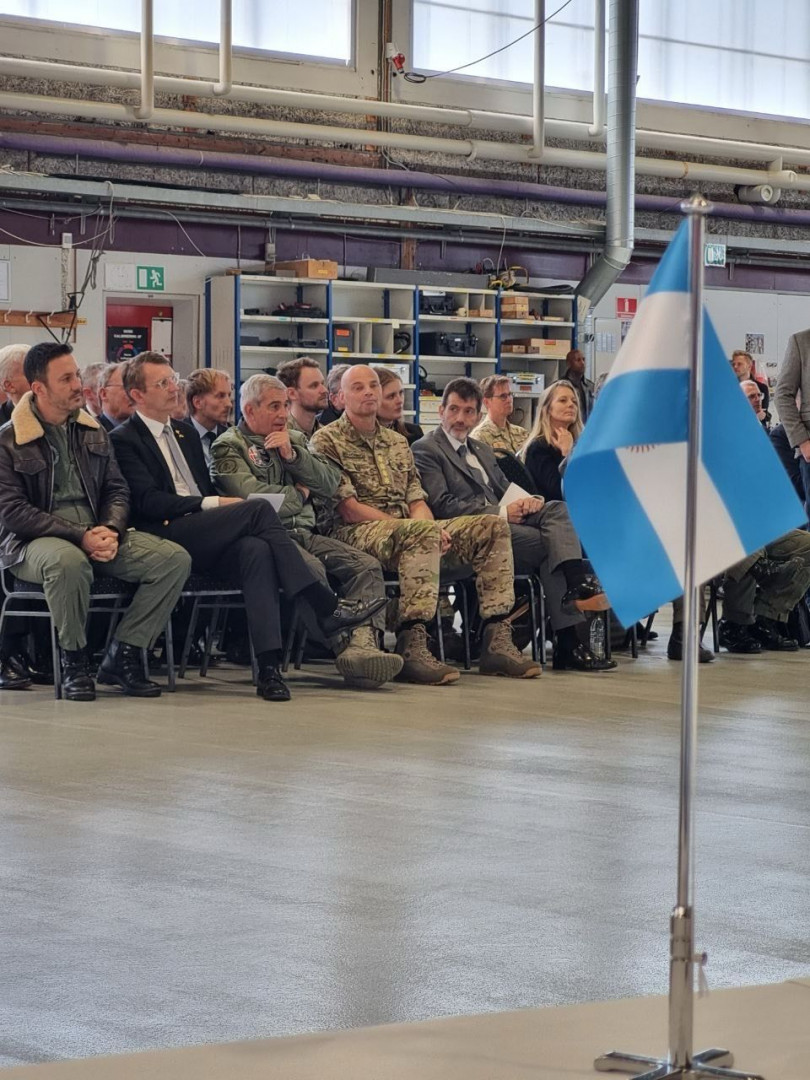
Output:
(681, 1062)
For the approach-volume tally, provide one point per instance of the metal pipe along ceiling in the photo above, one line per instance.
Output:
(621, 178)
(262, 165)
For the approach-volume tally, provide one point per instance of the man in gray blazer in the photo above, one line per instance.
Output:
(793, 403)
(462, 476)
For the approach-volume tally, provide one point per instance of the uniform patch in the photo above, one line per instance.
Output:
(255, 455)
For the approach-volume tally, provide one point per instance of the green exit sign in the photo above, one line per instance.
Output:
(150, 278)
(714, 255)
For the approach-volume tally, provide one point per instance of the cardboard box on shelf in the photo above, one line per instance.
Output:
(307, 268)
(482, 313)
(511, 347)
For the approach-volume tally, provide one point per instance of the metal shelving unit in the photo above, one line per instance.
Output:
(246, 332)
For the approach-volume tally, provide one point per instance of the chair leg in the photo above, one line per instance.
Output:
(543, 646)
(438, 621)
(209, 640)
(634, 643)
(533, 616)
(608, 648)
(57, 663)
(291, 632)
(715, 627)
(192, 628)
(303, 637)
(465, 625)
(254, 663)
(171, 674)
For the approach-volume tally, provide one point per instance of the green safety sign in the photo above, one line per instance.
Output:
(150, 278)
(714, 255)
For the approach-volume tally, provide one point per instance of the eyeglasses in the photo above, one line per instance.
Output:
(504, 397)
(165, 384)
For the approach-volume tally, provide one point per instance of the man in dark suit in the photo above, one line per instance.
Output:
(240, 540)
(462, 476)
(209, 397)
(112, 397)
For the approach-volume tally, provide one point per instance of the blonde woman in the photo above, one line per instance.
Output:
(551, 440)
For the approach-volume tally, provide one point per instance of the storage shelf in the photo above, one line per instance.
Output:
(404, 357)
(372, 320)
(461, 359)
(436, 290)
(380, 285)
(459, 319)
(531, 356)
(534, 322)
(268, 279)
(281, 348)
(280, 319)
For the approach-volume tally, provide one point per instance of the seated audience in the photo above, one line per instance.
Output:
(381, 509)
(90, 376)
(754, 395)
(392, 405)
(760, 592)
(64, 516)
(745, 368)
(575, 374)
(112, 397)
(334, 410)
(552, 439)
(180, 410)
(306, 389)
(13, 382)
(496, 431)
(461, 476)
(209, 398)
(262, 456)
(239, 540)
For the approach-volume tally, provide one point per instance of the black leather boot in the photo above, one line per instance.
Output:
(270, 685)
(77, 683)
(123, 666)
(11, 678)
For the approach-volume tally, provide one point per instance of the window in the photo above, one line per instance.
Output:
(745, 55)
(316, 28)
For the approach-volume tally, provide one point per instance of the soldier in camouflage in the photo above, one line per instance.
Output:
(496, 431)
(261, 456)
(380, 508)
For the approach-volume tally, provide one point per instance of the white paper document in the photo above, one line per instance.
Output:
(274, 500)
(513, 493)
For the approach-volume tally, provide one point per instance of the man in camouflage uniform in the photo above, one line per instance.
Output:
(496, 431)
(261, 456)
(306, 390)
(380, 508)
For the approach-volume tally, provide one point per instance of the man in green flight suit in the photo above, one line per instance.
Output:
(262, 456)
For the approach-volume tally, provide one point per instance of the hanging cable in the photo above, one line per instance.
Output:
(418, 77)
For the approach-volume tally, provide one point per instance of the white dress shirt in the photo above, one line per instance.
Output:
(158, 431)
(474, 463)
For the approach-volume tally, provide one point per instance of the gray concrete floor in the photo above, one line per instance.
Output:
(209, 867)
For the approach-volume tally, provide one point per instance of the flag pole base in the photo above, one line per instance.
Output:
(712, 1063)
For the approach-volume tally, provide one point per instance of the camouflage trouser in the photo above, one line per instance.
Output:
(412, 549)
(744, 599)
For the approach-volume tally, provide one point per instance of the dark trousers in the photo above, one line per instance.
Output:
(246, 544)
(539, 545)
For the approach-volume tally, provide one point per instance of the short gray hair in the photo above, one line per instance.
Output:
(92, 373)
(107, 373)
(252, 390)
(334, 376)
(10, 356)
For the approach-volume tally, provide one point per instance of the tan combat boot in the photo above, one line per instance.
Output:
(420, 665)
(363, 665)
(500, 657)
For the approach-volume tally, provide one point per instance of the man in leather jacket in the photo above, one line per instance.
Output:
(64, 511)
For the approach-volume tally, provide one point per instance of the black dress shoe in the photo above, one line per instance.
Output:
(271, 686)
(350, 613)
(773, 635)
(675, 646)
(77, 683)
(22, 664)
(580, 658)
(737, 638)
(123, 666)
(11, 679)
(588, 595)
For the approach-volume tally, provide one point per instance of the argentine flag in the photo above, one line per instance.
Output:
(625, 484)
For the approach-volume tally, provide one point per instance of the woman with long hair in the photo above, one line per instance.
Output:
(393, 404)
(556, 429)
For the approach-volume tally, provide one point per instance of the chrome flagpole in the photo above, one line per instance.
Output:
(681, 1061)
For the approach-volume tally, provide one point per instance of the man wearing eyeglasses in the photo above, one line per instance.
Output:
(232, 538)
(496, 430)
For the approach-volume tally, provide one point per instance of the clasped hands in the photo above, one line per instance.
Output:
(520, 509)
(100, 543)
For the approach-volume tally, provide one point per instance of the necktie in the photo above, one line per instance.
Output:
(462, 451)
(179, 462)
(478, 470)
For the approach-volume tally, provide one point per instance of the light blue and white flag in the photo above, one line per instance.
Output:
(626, 479)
